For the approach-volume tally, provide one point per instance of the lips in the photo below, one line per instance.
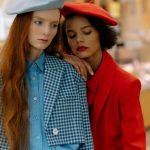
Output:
(43, 40)
(81, 48)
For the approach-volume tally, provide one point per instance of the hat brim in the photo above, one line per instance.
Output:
(21, 6)
(88, 9)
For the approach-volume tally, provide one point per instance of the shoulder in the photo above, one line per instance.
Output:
(125, 76)
(57, 63)
(120, 77)
(126, 81)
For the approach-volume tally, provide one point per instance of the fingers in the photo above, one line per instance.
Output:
(89, 68)
(82, 67)
(83, 71)
(79, 66)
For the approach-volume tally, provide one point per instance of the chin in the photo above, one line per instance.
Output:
(82, 56)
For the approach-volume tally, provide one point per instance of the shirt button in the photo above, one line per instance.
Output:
(33, 78)
(34, 65)
(38, 137)
(55, 131)
(34, 98)
(36, 117)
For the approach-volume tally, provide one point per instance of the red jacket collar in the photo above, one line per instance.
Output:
(104, 74)
(101, 83)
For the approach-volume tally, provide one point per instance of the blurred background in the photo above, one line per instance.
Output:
(132, 51)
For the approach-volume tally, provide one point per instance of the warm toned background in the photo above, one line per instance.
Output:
(134, 56)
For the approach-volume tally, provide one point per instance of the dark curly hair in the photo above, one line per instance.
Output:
(108, 35)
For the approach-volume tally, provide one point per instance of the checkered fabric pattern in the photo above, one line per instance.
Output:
(3, 140)
(65, 106)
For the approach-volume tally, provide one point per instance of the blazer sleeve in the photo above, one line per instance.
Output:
(3, 140)
(88, 145)
(132, 124)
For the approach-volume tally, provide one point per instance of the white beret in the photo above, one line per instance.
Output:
(23, 6)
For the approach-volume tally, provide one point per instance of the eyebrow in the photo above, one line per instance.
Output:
(37, 17)
(87, 26)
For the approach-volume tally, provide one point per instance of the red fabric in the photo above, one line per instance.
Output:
(115, 111)
(88, 9)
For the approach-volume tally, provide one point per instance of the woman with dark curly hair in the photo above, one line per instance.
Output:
(113, 94)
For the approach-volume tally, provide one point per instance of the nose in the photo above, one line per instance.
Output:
(79, 38)
(46, 30)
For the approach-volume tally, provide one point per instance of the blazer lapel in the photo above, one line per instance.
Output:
(52, 80)
(102, 85)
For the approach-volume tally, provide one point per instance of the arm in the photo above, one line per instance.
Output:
(82, 67)
(88, 145)
(3, 140)
(133, 131)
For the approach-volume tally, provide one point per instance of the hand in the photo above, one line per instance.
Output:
(82, 67)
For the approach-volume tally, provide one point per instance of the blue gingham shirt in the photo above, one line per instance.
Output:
(34, 77)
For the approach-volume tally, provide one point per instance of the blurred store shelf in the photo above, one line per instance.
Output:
(148, 139)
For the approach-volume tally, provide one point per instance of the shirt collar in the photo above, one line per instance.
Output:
(39, 62)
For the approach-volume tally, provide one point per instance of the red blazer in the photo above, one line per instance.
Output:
(115, 111)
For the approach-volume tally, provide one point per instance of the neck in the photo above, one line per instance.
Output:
(94, 61)
(34, 54)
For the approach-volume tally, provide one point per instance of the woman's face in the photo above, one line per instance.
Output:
(43, 28)
(82, 37)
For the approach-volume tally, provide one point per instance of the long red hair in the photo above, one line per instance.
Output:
(14, 91)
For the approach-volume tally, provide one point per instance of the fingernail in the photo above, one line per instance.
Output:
(85, 79)
(92, 73)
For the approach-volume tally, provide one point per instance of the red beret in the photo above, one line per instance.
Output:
(88, 9)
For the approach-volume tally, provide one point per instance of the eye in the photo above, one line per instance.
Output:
(38, 22)
(87, 32)
(71, 35)
(54, 25)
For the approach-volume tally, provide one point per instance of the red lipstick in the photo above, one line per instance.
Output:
(81, 48)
